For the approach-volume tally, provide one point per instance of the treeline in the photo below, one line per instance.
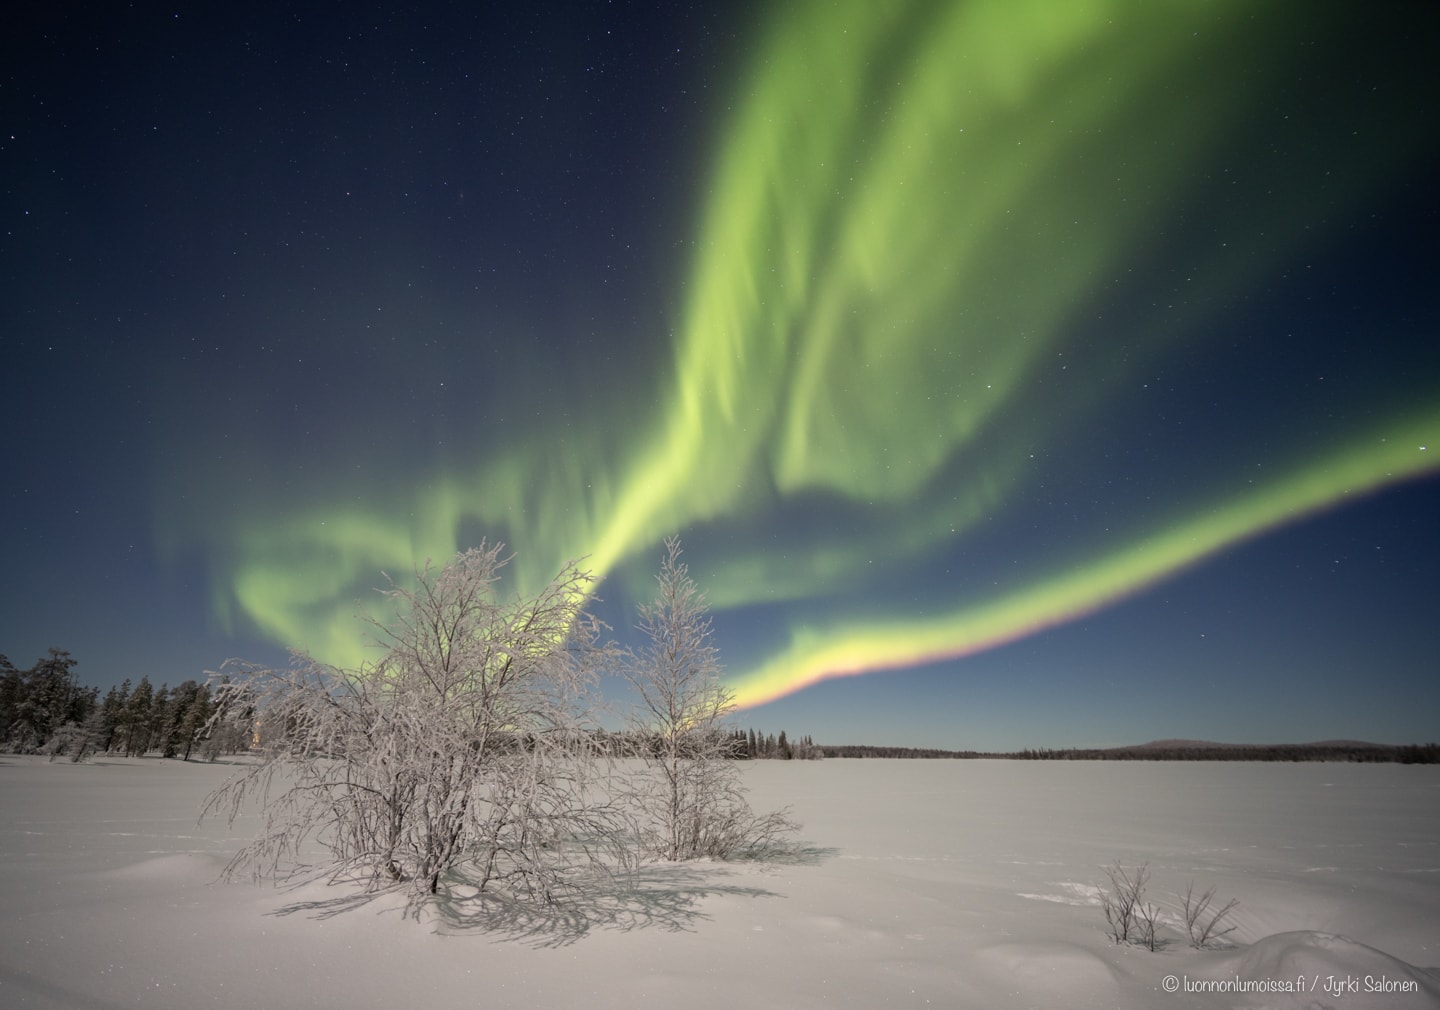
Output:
(1364, 753)
(750, 745)
(1340, 751)
(866, 751)
(44, 710)
(733, 744)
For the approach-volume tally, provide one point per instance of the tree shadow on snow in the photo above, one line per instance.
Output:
(350, 901)
(786, 854)
(663, 896)
(655, 896)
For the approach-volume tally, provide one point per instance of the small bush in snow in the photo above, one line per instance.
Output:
(1203, 923)
(1131, 919)
(1122, 902)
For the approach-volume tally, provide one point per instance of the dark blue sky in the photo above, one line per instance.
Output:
(1023, 377)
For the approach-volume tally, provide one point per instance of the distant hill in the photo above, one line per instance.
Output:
(1214, 745)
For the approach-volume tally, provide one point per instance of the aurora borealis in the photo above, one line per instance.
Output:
(945, 334)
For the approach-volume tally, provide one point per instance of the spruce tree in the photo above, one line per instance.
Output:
(137, 719)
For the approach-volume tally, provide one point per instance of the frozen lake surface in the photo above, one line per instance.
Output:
(918, 883)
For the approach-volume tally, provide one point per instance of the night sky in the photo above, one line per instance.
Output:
(1028, 373)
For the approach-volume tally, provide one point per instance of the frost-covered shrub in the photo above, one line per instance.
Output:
(463, 751)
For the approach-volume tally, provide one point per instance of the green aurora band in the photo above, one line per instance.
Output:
(916, 221)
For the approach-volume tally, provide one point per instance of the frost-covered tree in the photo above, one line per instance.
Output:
(38, 703)
(463, 751)
(230, 728)
(44, 699)
(690, 800)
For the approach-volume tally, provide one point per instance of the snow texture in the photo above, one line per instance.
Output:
(917, 883)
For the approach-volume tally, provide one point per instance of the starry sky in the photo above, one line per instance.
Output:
(1015, 374)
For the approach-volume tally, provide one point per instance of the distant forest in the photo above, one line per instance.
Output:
(45, 710)
(1178, 751)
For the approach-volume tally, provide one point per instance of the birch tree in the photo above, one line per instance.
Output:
(463, 753)
(689, 801)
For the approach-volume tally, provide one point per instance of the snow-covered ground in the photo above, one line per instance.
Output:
(919, 883)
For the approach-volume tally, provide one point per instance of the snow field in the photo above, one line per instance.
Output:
(916, 883)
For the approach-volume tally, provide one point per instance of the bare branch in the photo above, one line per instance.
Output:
(1203, 924)
(1121, 903)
